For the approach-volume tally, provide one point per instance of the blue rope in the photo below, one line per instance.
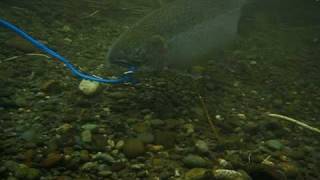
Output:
(125, 78)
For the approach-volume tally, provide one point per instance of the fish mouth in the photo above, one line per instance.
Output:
(121, 62)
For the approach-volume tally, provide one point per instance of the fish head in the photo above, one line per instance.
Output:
(140, 52)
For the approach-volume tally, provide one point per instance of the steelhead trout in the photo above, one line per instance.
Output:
(178, 34)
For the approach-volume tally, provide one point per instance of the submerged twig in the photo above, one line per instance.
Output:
(205, 109)
(28, 54)
(92, 14)
(294, 121)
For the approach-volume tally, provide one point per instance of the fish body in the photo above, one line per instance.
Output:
(177, 34)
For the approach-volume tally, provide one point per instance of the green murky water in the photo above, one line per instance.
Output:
(168, 126)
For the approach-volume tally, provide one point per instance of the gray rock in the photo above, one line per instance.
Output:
(193, 161)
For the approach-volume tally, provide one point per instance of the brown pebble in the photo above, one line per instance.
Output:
(118, 166)
(133, 148)
(51, 160)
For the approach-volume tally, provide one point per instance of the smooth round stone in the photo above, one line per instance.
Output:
(194, 161)
(202, 146)
(274, 144)
(197, 174)
(133, 148)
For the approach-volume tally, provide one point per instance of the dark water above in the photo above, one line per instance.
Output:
(248, 106)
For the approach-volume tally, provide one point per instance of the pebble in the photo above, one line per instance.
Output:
(89, 166)
(156, 123)
(89, 127)
(202, 146)
(155, 148)
(51, 160)
(194, 161)
(105, 173)
(133, 148)
(274, 144)
(88, 87)
(24, 172)
(84, 155)
(226, 174)
(189, 129)
(196, 174)
(289, 169)
(165, 138)
(137, 166)
(104, 157)
(119, 144)
(64, 128)
(146, 138)
(86, 136)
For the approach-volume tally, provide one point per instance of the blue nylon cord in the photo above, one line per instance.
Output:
(75, 71)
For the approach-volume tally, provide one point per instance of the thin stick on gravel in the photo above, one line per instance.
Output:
(294, 121)
(205, 109)
(28, 54)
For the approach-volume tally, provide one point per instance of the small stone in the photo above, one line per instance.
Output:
(64, 128)
(105, 173)
(146, 138)
(189, 129)
(156, 123)
(196, 174)
(274, 144)
(165, 138)
(226, 174)
(223, 163)
(137, 166)
(86, 136)
(32, 173)
(290, 169)
(202, 146)
(51, 160)
(89, 166)
(194, 161)
(118, 166)
(133, 148)
(66, 28)
(119, 144)
(24, 172)
(110, 143)
(88, 87)
(242, 116)
(84, 155)
(103, 156)
(155, 148)
(89, 126)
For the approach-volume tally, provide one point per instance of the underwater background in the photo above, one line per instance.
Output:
(251, 112)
